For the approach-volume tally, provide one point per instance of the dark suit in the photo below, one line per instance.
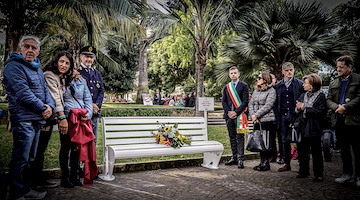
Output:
(236, 140)
(284, 112)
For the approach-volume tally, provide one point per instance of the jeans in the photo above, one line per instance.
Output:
(25, 141)
(38, 166)
(236, 140)
(95, 126)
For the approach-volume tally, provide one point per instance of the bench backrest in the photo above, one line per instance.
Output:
(136, 130)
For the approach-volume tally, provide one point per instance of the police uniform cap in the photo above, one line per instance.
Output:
(88, 51)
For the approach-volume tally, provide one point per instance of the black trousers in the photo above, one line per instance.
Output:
(285, 121)
(280, 144)
(68, 157)
(348, 140)
(38, 165)
(270, 126)
(236, 140)
(313, 146)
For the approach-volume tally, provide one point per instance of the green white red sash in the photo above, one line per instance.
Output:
(242, 125)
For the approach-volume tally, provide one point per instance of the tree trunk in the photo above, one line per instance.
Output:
(143, 86)
(15, 26)
(201, 55)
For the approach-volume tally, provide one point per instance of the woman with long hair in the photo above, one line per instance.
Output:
(57, 75)
(262, 114)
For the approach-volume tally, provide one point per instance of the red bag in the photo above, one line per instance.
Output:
(294, 153)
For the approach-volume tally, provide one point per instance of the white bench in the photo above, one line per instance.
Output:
(130, 137)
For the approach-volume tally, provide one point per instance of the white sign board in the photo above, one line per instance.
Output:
(206, 103)
(147, 99)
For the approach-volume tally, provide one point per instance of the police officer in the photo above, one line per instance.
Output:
(94, 81)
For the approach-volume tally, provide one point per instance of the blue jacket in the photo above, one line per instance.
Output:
(82, 95)
(26, 89)
(95, 84)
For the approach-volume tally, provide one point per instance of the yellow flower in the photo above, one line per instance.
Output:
(166, 128)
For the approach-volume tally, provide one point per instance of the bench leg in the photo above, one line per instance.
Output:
(109, 162)
(212, 159)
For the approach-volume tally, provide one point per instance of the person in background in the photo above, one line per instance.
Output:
(311, 110)
(235, 99)
(157, 97)
(288, 91)
(57, 76)
(30, 104)
(94, 82)
(192, 100)
(172, 100)
(261, 111)
(344, 100)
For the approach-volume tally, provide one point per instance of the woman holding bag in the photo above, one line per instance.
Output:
(311, 110)
(261, 111)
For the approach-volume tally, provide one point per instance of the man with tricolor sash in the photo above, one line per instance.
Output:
(235, 99)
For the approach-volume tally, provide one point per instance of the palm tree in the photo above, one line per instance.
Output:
(205, 20)
(277, 31)
(156, 25)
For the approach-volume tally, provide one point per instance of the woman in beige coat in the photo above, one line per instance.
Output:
(57, 75)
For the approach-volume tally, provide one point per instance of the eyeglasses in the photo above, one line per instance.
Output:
(259, 78)
(342, 67)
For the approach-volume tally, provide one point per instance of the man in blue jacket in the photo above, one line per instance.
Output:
(288, 91)
(94, 81)
(30, 104)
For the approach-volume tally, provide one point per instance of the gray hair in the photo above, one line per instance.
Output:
(287, 64)
(29, 37)
(233, 68)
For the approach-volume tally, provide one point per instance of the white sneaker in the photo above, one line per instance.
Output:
(343, 178)
(32, 194)
(358, 182)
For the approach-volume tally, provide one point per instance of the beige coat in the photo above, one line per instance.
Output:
(56, 90)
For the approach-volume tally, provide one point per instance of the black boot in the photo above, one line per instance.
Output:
(75, 178)
(261, 162)
(264, 166)
(66, 183)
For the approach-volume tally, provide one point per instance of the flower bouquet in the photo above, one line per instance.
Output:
(169, 135)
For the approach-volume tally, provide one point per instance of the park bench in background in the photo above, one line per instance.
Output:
(130, 137)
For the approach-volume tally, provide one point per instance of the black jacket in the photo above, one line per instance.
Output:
(297, 88)
(312, 125)
(243, 91)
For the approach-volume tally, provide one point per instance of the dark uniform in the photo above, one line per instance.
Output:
(95, 83)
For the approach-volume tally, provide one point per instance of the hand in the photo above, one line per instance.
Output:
(95, 108)
(63, 126)
(47, 112)
(232, 114)
(84, 118)
(341, 109)
(300, 105)
(254, 118)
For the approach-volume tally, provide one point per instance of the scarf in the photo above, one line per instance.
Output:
(309, 99)
(242, 125)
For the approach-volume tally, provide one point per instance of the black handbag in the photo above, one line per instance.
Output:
(258, 140)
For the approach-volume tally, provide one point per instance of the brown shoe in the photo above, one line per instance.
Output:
(285, 167)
